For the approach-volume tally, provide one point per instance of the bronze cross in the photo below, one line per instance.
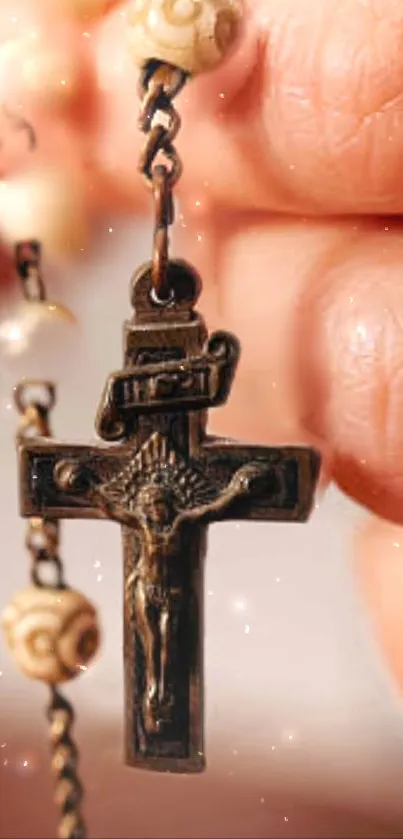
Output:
(163, 478)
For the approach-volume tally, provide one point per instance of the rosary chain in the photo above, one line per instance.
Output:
(27, 260)
(159, 120)
(34, 400)
(68, 791)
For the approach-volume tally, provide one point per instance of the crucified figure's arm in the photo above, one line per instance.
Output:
(242, 484)
(113, 510)
(71, 478)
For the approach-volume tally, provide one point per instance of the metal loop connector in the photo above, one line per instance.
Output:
(35, 394)
(27, 262)
(159, 161)
(164, 213)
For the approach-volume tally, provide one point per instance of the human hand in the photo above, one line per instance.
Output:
(290, 207)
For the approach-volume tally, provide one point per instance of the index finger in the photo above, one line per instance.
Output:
(306, 117)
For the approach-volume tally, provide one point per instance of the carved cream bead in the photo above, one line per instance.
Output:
(51, 633)
(194, 35)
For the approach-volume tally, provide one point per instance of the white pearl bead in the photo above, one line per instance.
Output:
(52, 633)
(46, 206)
(33, 337)
(194, 35)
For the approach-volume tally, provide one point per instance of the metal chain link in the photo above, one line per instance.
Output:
(34, 400)
(27, 261)
(158, 119)
(68, 791)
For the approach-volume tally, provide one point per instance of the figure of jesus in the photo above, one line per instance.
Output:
(158, 513)
(157, 581)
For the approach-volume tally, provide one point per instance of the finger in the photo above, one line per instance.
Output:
(236, 261)
(305, 118)
(252, 281)
(351, 335)
(378, 557)
(317, 124)
(317, 307)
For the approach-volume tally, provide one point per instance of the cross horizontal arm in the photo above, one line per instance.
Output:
(284, 491)
(40, 493)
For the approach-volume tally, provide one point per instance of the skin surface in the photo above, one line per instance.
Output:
(294, 219)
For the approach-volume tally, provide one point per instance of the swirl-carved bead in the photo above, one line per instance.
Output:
(53, 634)
(194, 35)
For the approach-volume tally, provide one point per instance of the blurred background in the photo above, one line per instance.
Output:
(304, 730)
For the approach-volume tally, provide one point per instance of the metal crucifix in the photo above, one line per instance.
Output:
(164, 479)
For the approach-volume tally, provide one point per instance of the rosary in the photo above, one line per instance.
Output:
(157, 473)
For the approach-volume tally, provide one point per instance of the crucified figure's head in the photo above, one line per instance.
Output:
(158, 503)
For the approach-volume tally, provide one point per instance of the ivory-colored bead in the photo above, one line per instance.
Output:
(52, 633)
(194, 35)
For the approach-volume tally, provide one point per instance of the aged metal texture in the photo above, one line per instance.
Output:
(68, 790)
(164, 479)
(159, 161)
(34, 401)
(27, 260)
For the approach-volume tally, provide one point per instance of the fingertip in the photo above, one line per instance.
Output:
(374, 488)
(352, 362)
(378, 552)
